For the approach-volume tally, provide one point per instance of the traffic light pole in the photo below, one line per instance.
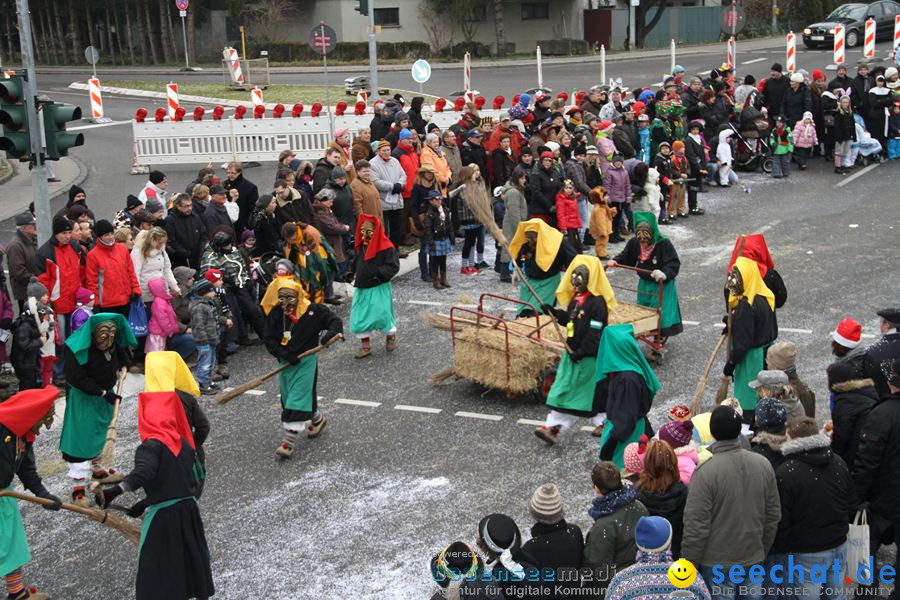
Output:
(373, 52)
(38, 169)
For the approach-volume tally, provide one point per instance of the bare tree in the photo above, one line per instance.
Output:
(168, 49)
(109, 31)
(499, 27)
(142, 40)
(61, 38)
(642, 25)
(192, 34)
(152, 33)
(75, 28)
(434, 17)
(268, 16)
(89, 21)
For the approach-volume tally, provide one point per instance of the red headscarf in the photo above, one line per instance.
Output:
(378, 242)
(161, 417)
(755, 249)
(21, 411)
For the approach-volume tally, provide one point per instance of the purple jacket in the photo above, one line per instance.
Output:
(618, 185)
(79, 316)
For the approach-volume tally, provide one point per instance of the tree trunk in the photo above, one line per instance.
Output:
(52, 41)
(152, 34)
(165, 34)
(191, 34)
(173, 35)
(61, 38)
(119, 33)
(129, 31)
(109, 32)
(642, 28)
(498, 25)
(41, 43)
(141, 31)
(75, 28)
(9, 13)
(89, 21)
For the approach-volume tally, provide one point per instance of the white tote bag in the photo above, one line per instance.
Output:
(858, 548)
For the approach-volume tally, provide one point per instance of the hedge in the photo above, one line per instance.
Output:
(345, 51)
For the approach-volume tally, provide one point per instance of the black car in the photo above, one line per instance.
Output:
(853, 17)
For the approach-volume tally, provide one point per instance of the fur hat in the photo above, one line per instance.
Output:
(724, 423)
(677, 433)
(546, 504)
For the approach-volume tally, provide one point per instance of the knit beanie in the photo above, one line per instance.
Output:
(61, 224)
(157, 177)
(83, 296)
(201, 287)
(546, 504)
(103, 227)
(725, 423)
(213, 275)
(782, 356)
(337, 172)
(132, 202)
(771, 415)
(653, 534)
(633, 456)
(248, 233)
(153, 205)
(74, 191)
(35, 289)
(677, 433)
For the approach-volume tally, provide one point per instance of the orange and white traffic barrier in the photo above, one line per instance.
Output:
(172, 99)
(839, 49)
(234, 61)
(869, 39)
(96, 98)
(896, 31)
(256, 97)
(791, 52)
(362, 96)
(729, 51)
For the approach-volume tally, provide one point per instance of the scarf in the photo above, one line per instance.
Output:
(696, 137)
(607, 504)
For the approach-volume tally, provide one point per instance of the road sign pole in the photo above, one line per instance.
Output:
(187, 62)
(325, 65)
(373, 52)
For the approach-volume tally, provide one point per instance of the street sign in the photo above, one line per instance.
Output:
(181, 4)
(91, 55)
(322, 39)
(421, 71)
(733, 19)
(182, 13)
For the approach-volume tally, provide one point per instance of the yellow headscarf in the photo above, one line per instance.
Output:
(166, 372)
(548, 242)
(270, 300)
(598, 284)
(753, 284)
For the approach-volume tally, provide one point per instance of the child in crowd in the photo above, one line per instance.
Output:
(163, 321)
(727, 176)
(437, 237)
(217, 279)
(680, 170)
(644, 136)
(28, 339)
(567, 219)
(618, 186)
(205, 329)
(893, 145)
(662, 162)
(782, 144)
(49, 335)
(248, 243)
(844, 135)
(805, 139)
(84, 309)
(601, 220)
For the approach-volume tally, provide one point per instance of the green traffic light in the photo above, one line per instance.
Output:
(12, 116)
(12, 90)
(56, 115)
(15, 140)
(16, 145)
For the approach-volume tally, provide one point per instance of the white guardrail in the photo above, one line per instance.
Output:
(248, 139)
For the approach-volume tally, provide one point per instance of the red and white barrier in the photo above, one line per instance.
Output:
(172, 99)
(362, 96)
(896, 30)
(839, 48)
(869, 39)
(256, 97)
(96, 98)
(730, 51)
(234, 60)
(467, 72)
(791, 52)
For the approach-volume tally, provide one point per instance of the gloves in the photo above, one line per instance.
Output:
(547, 309)
(135, 297)
(137, 509)
(111, 397)
(725, 329)
(397, 188)
(658, 275)
(104, 497)
(728, 370)
(57, 503)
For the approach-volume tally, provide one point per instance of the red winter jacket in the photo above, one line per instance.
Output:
(567, 216)
(409, 160)
(109, 274)
(60, 269)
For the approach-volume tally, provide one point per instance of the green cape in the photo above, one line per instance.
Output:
(619, 352)
(650, 219)
(80, 341)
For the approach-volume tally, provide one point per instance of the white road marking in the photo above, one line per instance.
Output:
(755, 60)
(96, 125)
(482, 416)
(357, 402)
(255, 392)
(792, 330)
(425, 302)
(683, 322)
(868, 336)
(530, 422)
(856, 175)
(421, 409)
(726, 251)
(587, 428)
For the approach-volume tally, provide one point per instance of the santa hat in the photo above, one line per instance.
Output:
(848, 333)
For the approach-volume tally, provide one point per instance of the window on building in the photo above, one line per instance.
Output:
(387, 17)
(535, 10)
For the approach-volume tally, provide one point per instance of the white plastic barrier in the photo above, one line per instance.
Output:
(249, 139)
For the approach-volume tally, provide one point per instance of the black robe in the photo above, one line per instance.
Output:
(527, 260)
(380, 269)
(17, 458)
(626, 400)
(662, 257)
(751, 327)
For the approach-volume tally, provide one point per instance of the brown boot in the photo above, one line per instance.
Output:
(436, 283)
(315, 427)
(444, 278)
(284, 451)
(390, 343)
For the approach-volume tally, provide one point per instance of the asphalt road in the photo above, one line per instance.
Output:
(398, 473)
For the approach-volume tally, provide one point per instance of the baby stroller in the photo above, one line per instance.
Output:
(751, 135)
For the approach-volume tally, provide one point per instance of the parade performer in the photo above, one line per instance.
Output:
(752, 308)
(293, 326)
(652, 251)
(754, 247)
(588, 298)
(627, 388)
(94, 355)
(21, 418)
(313, 259)
(173, 558)
(377, 262)
(543, 255)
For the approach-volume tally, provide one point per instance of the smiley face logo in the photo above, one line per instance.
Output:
(682, 573)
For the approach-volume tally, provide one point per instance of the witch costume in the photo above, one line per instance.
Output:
(588, 301)
(543, 255)
(377, 262)
(627, 388)
(94, 355)
(754, 247)
(173, 556)
(293, 326)
(21, 415)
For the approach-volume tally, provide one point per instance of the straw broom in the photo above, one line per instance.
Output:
(230, 395)
(129, 531)
(701, 385)
(722, 392)
(109, 447)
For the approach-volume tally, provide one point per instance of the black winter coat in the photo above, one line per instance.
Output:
(859, 99)
(544, 186)
(436, 229)
(853, 401)
(503, 164)
(382, 268)
(844, 127)
(876, 117)
(97, 374)
(474, 154)
(343, 204)
(626, 399)
(321, 174)
(305, 333)
(216, 216)
(248, 195)
(816, 497)
(26, 343)
(876, 470)
(668, 504)
(774, 92)
(557, 546)
(877, 362)
(751, 327)
(795, 103)
(663, 257)
(696, 157)
(265, 228)
(623, 143)
(15, 461)
(768, 445)
(187, 237)
(527, 262)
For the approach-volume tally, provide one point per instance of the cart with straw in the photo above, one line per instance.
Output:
(519, 355)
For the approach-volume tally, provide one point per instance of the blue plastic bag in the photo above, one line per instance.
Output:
(137, 318)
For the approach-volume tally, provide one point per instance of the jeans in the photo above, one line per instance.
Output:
(206, 362)
(393, 226)
(809, 590)
(731, 591)
(65, 330)
(584, 211)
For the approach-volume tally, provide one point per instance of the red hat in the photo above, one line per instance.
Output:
(679, 413)
(213, 275)
(848, 333)
(546, 154)
(818, 74)
(604, 125)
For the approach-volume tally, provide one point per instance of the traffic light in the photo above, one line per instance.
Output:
(362, 7)
(56, 115)
(15, 141)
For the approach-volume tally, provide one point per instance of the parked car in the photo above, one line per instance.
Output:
(853, 17)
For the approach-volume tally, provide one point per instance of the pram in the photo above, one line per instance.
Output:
(751, 146)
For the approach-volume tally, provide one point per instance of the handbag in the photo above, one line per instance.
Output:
(858, 548)
(137, 318)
